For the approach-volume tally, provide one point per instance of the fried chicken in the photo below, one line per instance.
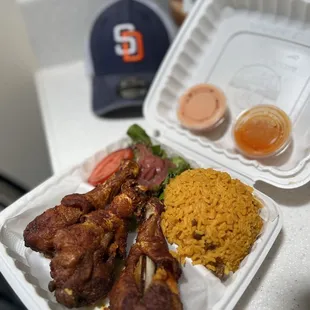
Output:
(85, 254)
(149, 280)
(39, 233)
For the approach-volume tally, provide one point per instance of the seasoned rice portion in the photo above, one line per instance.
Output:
(213, 219)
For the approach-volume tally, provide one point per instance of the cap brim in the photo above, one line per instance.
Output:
(106, 98)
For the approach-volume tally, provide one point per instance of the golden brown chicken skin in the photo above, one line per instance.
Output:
(85, 254)
(40, 232)
(150, 278)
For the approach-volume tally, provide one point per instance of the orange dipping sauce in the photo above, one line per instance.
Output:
(262, 131)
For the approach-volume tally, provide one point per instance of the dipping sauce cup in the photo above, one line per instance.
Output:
(202, 108)
(262, 131)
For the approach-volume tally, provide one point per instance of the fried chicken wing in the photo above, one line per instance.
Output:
(149, 280)
(85, 253)
(39, 233)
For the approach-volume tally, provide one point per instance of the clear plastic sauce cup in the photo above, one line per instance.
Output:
(202, 108)
(262, 131)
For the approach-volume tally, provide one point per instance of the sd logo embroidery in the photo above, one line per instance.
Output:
(129, 42)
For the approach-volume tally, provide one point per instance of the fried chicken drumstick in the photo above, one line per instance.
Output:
(85, 253)
(150, 278)
(39, 233)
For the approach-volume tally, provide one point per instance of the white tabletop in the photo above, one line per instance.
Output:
(74, 133)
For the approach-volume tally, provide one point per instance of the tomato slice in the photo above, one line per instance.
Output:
(109, 165)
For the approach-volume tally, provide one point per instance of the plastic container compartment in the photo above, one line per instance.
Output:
(257, 52)
(28, 271)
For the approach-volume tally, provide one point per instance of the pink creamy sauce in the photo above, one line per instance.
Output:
(202, 107)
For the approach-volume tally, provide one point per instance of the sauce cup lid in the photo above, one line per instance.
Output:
(262, 131)
(202, 107)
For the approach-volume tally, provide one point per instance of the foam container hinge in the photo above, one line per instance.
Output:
(257, 52)
(28, 272)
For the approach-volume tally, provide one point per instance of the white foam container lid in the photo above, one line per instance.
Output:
(257, 52)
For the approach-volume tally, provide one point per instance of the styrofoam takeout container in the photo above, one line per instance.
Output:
(257, 51)
(28, 271)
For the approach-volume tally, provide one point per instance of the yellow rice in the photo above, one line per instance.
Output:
(211, 217)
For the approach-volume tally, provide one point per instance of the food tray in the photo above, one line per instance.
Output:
(28, 272)
(257, 52)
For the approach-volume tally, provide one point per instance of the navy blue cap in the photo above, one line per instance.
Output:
(128, 42)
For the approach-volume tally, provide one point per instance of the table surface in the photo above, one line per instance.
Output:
(73, 133)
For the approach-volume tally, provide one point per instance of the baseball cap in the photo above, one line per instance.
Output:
(127, 44)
